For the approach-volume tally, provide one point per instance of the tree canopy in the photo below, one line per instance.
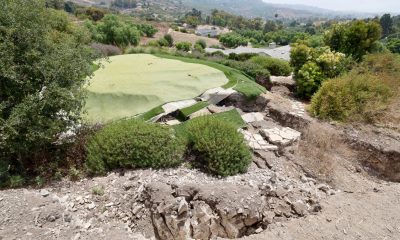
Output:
(44, 61)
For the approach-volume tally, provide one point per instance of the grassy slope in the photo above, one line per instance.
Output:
(133, 84)
(239, 81)
(185, 112)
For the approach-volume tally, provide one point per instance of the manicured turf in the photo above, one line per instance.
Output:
(132, 84)
(185, 112)
(237, 79)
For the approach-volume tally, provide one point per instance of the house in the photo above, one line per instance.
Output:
(210, 31)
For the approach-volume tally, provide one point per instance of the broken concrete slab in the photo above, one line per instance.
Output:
(253, 117)
(281, 136)
(174, 106)
(218, 109)
(201, 112)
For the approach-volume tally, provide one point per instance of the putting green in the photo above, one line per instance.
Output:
(135, 83)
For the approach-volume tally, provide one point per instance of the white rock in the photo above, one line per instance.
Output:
(44, 193)
(173, 122)
(253, 117)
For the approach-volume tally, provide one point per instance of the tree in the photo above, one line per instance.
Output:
(233, 40)
(386, 22)
(270, 26)
(56, 4)
(112, 30)
(44, 61)
(354, 39)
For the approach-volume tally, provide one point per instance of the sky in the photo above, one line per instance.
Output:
(348, 5)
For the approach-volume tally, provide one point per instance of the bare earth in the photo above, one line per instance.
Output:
(344, 200)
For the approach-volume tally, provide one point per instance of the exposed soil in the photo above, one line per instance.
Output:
(319, 187)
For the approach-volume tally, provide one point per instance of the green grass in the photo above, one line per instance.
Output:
(238, 80)
(231, 116)
(132, 84)
(150, 114)
(186, 112)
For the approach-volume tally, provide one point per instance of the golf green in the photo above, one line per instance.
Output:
(131, 84)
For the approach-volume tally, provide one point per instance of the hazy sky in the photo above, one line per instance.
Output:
(349, 5)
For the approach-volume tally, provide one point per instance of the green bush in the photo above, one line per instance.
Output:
(184, 46)
(133, 144)
(202, 43)
(309, 79)
(153, 43)
(163, 42)
(169, 39)
(354, 97)
(276, 67)
(218, 146)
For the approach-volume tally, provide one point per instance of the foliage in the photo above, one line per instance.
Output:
(183, 46)
(218, 146)
(386, 22)
(106, 50)
(309, 79)
(95, 14)
(124, 3)
(276, 67)
(363, 94)
(133, 144)
(314, 65)
(56, 4)
(112, 30)
(350, 98)
(354, 39)
(147, 30)
(169, 39)
(201, 43)
(233, 40)
(44, 60)
(193, 17)
(393, 45)
(225, 19)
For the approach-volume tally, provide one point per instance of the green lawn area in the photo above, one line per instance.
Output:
(238, 80)
(185, 112)
(132, 84)
(231, 116)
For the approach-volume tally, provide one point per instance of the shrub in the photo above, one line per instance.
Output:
(309, 79)
(202, 43)
(393, 45)
(106, 50)
(198, 48)
(242, 56)
(163, 42)
(276, 67)
(184, 46)
(169, 39)
(153, 43)
(148, 30)
(354, 97)
(218, 147)
(133, 144)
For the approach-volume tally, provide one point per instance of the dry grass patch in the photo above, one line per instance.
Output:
(319, 150)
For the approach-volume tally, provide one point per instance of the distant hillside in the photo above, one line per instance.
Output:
(259, 8)
(246, 8)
